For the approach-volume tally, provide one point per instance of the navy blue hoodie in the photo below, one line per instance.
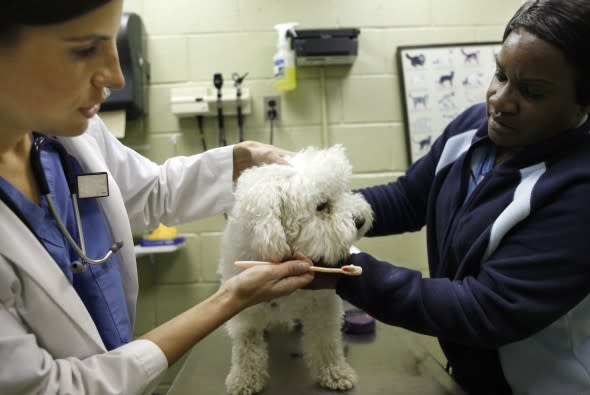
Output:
(504, 264)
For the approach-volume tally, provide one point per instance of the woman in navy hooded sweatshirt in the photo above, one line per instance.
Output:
(504, 194)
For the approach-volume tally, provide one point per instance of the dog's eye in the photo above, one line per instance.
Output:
(322, 206)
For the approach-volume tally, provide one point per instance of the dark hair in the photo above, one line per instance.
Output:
(17, 13)
(566, 25)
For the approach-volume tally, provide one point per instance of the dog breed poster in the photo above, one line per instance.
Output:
(437, 83)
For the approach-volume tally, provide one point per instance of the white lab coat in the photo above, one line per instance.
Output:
(48, 341)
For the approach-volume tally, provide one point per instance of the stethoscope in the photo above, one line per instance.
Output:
(39, 143)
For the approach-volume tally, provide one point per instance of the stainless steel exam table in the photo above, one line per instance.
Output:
(391, 361)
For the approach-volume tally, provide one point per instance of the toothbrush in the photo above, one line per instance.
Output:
(349, 270)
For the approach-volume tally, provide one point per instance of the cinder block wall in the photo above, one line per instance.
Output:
(359, 106)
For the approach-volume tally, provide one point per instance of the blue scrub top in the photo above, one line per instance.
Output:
(99, 286)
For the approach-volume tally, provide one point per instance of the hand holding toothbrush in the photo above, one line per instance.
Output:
(349, 270)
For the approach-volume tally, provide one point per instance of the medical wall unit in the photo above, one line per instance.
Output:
(202, 100)
(219, 100)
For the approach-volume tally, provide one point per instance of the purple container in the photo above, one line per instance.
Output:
(357, 322)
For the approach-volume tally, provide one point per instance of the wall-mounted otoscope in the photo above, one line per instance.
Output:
(238, 84)
(218, 83)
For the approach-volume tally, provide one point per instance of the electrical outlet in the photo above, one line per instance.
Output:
(272, 103)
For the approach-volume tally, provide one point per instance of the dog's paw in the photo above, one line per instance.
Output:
(239, 382)
(339, 377)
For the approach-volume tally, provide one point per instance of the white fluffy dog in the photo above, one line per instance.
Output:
(280, 210)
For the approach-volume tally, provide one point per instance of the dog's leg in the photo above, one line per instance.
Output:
(248, 374)
(322, 343)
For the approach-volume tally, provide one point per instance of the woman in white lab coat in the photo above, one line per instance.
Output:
(55, 63)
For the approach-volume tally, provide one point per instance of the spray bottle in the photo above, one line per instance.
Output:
(284, 60)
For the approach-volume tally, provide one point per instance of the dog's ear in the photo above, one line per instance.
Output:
(259, 200)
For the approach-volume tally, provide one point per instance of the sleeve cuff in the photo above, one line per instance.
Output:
(149, 357)
(223, 159)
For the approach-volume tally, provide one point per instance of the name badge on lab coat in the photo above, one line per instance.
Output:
(92, 185)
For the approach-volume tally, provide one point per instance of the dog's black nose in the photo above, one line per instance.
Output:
(359, 221)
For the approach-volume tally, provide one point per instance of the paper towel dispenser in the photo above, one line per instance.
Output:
(319, 47)
(132, 98)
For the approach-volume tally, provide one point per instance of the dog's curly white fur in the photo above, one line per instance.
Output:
(305, 207)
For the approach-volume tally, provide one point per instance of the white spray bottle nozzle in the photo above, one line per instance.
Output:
(282, 29)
